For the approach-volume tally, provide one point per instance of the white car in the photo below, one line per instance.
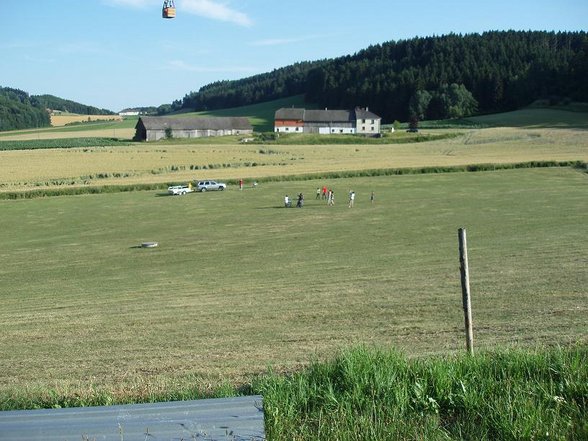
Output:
(179, 189)
(210, 185)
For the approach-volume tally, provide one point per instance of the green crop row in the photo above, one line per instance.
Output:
(62, 143)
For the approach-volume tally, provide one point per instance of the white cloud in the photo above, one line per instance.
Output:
(214, 10)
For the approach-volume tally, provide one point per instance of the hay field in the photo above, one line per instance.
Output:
(166, 162)
(64, 119)
(239, 283)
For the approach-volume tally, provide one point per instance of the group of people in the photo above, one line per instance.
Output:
(326, 194)
(299, 202)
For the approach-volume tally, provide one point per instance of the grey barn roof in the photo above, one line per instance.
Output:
(328, 115)
(196, 123)
(290, 113)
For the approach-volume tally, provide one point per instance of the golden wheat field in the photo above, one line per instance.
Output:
(64, 119)
(167, 162)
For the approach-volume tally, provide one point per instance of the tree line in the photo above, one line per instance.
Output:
(431, 77)
(18, 110)
(63, 105)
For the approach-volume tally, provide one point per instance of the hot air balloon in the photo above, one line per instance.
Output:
(169, 9)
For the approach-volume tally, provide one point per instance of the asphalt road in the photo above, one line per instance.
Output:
(226, 419)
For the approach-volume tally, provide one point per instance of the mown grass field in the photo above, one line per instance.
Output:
(239, 283)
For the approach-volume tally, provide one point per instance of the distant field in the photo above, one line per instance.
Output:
(239, 283)
(261, 115)
(124, 129)
(62, 120)
(170, 161)
(536, 118)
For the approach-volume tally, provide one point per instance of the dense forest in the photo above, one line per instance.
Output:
(18, 110)
(56, 103)
(432, 77)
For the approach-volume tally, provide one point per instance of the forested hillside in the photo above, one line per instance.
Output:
(432, 77)
(18, 110)
(280, 83)
(56, 103)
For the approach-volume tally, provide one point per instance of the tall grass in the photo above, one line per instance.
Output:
(381, 395)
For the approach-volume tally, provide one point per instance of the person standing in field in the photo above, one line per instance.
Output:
(324, 192)
(351, 198)
(318, 193)
(240, 184)
(300, 202)
(331, 198)
(372, 197)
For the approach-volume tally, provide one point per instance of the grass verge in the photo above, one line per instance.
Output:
(382, 395)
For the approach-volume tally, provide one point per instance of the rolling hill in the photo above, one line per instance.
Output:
(500, 70)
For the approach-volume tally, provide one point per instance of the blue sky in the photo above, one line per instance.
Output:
(120, 53)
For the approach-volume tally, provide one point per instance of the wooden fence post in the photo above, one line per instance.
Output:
(465, 289)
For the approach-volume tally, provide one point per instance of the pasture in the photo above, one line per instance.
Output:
(239, 283)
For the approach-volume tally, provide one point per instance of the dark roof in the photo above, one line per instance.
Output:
(365, 114)
(290, 113)
(328, 115)
(196, 123)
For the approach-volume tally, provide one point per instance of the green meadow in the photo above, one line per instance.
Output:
(348, 321)
(239, 284)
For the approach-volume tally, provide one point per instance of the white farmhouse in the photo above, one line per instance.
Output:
(298, 120)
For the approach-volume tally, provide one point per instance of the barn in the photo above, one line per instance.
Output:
(153, 128)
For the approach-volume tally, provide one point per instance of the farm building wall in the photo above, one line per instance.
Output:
(156, 135)
(368, 126)
(332, 128)
(289, 125)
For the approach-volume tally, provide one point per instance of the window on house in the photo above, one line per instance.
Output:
(287, 129)
(340, 130)
(372, 129)
(363, 128)
(373, 122)
(297, 128)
